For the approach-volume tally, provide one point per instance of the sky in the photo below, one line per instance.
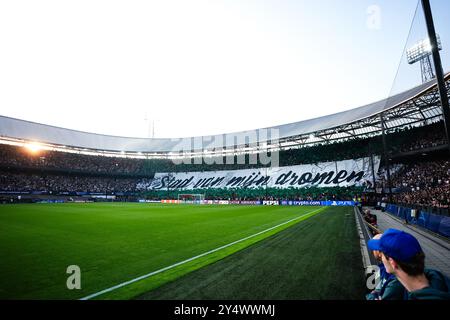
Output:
(202, 67)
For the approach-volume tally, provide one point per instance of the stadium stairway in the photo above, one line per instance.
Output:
(437, 249)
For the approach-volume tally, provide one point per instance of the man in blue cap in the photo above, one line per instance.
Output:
(388, 287)
(403, 257)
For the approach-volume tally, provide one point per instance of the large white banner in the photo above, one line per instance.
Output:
(330, 174)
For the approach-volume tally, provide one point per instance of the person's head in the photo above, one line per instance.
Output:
(400, 252)
(413, 267)
(376, 253)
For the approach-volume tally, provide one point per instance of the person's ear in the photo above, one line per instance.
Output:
(393, 264)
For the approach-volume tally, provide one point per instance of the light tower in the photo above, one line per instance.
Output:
(440, 79)
(422, 52)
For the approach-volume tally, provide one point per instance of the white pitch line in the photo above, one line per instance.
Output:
(123, 284)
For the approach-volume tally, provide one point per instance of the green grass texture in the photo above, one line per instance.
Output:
(116, 242)
(317, 259)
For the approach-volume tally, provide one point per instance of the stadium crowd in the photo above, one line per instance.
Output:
(12, 156)
(67, 183)
(407, 140)
(422, 138)
(423, 184)
(21, 182)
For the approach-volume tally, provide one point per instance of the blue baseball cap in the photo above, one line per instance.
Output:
(396, 244)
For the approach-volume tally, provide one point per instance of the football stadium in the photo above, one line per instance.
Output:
(307, 210)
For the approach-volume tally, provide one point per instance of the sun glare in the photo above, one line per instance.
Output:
(33, 147)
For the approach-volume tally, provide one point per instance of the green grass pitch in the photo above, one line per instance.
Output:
(114, 243)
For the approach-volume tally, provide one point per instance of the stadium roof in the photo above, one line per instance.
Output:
(342, 125)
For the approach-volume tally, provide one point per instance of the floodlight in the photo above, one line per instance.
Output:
(421, 50)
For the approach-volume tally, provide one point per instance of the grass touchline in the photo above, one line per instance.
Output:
(193, 258)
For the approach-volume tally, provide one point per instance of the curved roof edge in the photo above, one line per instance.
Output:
(31, 131)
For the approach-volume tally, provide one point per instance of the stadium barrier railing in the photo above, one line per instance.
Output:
(334, 203)
(435, 223)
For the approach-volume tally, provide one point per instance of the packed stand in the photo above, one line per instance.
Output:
(425, 138)
(18, 157)
(57, 183)
(406, 140)
(423, 184)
